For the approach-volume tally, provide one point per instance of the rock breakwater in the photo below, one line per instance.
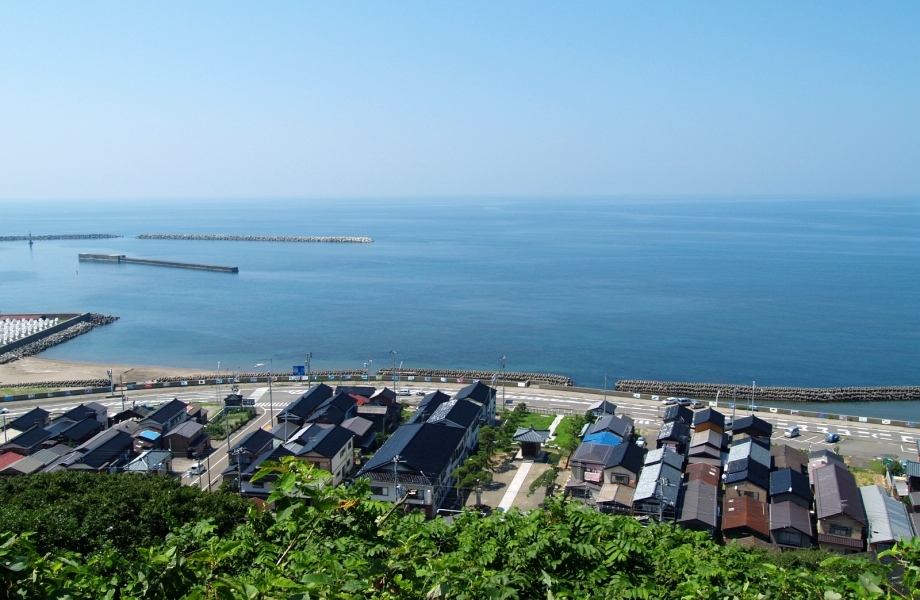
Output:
(770, 393)
(33, 348)
(40, 238)
(252, 238)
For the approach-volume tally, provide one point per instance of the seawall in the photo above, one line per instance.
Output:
(252, 238)
(121, 258)
(770, 394)
(53, 336)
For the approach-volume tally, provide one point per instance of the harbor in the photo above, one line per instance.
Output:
(122, 259)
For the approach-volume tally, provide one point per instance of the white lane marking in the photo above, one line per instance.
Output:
(258, 393)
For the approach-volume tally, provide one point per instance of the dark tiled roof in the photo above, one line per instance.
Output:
(529, 434)
(785, 455)
(478, 392)
(255, 441)
(189, 429)
(650, 479)
(621, 426)
(109, 451)
(30, 438)
(664, 455)
(710, 437)
(85, 411)
(747, 470)
(603, 406)
(752, 425)
(836, 493)
(60, 425)
(308, 402)
(699, 504)
(825, 454)
(273, 455)
(790, 481)
(629, 456)
(750, 448)
(428, 406)
(81, 430)
(166, 412)
(790, 515)
(34, 417)
(425, 449)
(358, 425)
(709, 415)
(676, 412)
(456, 413)
(365, 391)
(912, 468)
(676, 431)
(327, 442)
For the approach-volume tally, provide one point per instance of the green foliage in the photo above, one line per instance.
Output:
(237, 418)
(90, 512)
(546, 480)
(325, 542)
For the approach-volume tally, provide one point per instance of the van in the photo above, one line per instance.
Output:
(791, 432)
(196, 470)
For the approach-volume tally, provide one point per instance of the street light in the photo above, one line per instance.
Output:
(309, 371)
(605, 394)
(218, 382)
(111, 383)
(367, 368)
(4, 411)
(502, 359)
(271, 404)
(121, 384)
(395, 378)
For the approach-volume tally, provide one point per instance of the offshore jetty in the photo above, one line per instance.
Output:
(71, 327)
(775, 394)
(549, 378)
(252, 238)
(121, 258)
(40, 238)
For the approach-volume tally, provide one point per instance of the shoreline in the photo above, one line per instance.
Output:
(33, 369)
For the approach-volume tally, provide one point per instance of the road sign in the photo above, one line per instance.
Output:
(300, 370)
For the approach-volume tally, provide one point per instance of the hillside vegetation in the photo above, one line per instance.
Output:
(342, 545)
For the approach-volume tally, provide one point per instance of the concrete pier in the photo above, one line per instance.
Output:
(121, 258)
(252, 238)
(41, 238)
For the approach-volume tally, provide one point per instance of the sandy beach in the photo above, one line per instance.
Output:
(33, 369)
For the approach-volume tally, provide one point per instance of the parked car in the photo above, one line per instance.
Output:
(684, 401)
(831, 438)
(196, 470)
(640, 441)
(420, 393)
(696, 404)
(669, 401)
(404, 392)
(791, 432)
(728, 423)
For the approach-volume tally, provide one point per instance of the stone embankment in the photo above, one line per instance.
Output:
(252, 238)
(487, 376)
(54, 339)
(41, 238)
(742, 393)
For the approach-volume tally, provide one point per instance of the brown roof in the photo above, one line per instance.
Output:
(745, 512)
(836, 493)
(703, 472)
(785, 456)
(791, 515)
(616, 493)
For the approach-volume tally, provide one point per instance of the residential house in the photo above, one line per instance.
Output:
(676, 412)
(188, 439)
(108, 450)
(790, 525)
(155, 462)
(334, 410)
(147, 439)
(747, 477)
(707, 447)
(602, 408)
(28, 442)
(298, 412)
(9, 458)
(616, 498)
(461, 414)
(699, 506)
(74, 434)
(363, 431)
(264, 486)
(415, 464)
(327, 447)
(752, 427)
(35, 417)
(709, 418)
(703, 472)
(610, 429)
(593, 465)
(363, 391)
(482, 394)
(247, 451)
(750, 448)
(789, 485)
(657, 489)
(887, 519)
(745, 517)
(166, 417)
(674, 435)
(785, 456)
(912, 474)
(197, 414)
(841, 517)
(428, 405)
(385, 418)
(531, 441)
(820, 458)
(93, 410)
(384, 397)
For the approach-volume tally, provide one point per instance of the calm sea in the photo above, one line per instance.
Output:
(799, 293)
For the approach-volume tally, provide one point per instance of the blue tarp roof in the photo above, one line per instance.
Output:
(603, 437)
(149, 434)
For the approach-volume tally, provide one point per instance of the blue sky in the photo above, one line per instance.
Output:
(234, 100)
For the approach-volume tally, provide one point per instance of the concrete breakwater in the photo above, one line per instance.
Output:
(41, 238)
(59, 337)
(743, 393)
(252, 238)
(121, 258)
(485, 376)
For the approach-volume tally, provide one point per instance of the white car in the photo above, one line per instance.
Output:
(669, 401)
(196, 470)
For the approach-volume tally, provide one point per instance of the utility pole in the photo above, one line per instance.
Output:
(734, 403)
(605, 394)
(662, 482)
(503, 380)
(309, 371)
(753, 386)
(395, 378)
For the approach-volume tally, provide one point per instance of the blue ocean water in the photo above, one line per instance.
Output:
(795, 292)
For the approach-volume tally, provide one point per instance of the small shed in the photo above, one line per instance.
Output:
(531, 440)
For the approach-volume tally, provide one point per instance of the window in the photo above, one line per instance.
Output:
(840, 530)
(789, 538)
(258, 485)
(754, 495)
(617, 478)
(380, 491)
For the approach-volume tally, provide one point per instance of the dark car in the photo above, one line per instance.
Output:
(831, 438)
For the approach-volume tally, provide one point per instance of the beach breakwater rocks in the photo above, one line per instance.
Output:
(41, 238)
(770, 393)
(486, 376)
(59, 337)
(252, 238)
